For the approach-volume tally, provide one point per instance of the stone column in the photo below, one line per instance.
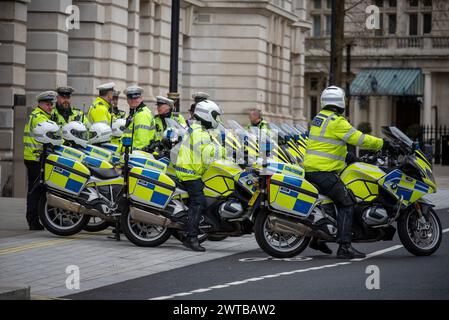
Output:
(427, 111)
(13, 17)
(383, 111)
(47, 47)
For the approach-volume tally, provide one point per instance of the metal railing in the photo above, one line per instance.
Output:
(421, 42)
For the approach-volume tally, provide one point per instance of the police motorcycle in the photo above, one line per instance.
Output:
(77, 186)
(157, 204)
(390, 187)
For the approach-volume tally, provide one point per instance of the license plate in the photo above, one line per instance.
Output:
(254, 198)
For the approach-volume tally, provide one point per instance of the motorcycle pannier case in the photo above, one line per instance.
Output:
(150, 188)
(65, 175)
(292, 195)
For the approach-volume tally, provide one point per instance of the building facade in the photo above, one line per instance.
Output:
(244, 53)
(399, 71)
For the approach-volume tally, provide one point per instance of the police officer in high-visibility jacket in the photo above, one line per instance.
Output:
(325, 159)
(140, 122)
(165, 111)
(100, 110)
(32, 152)
(256, 120)
(196, 152)
(197, 98)
(115, 111)
(63, 113)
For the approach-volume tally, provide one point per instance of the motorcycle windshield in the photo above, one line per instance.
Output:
(397, 135)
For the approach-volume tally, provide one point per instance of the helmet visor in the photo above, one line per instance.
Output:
(54, 135)
(83, 135)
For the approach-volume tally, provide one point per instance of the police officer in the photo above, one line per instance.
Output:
(197, 98)
(115, 111)
(325, 158)
(64, 112)
(256, 120)
(196, 152)
(165, 111)
(99, 111)
(31, 154)
(140, 122)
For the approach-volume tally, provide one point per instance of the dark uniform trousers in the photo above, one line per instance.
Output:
(329, 184)
(197, 204)
(33, 169)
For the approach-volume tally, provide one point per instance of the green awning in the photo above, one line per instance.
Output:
(388, 82)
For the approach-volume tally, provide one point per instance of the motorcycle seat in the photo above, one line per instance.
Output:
(100, 173)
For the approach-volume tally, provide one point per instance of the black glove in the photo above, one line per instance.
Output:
(387, 146)
(351, 158)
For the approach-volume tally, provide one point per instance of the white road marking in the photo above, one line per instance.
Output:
(286, 273)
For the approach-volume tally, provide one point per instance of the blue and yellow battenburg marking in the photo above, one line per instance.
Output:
(98, 152)
(285, 168)
(292, 194)
(151, 188)
(399, 184)
(69, 152)
(65, 174)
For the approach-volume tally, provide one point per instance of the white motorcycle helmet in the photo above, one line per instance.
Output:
(76, 132)
(333, 97)
(208, 113)
(99, 133)
(47, 132)
(118, 126)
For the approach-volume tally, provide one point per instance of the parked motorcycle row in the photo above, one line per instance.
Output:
(259, 188)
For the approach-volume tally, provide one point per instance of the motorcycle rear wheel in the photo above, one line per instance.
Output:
(58, 221)
(143, 235)
(272, 242)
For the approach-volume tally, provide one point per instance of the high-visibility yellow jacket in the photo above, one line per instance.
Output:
(75, 115)
(328, 136)
(31, 148)
(140, 127)
(161, 124)
(262, 125)
(196, 152)
(99, 112)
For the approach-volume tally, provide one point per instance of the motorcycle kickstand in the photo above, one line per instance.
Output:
(117, 230)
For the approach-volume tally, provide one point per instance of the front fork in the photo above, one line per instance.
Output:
(422, 223)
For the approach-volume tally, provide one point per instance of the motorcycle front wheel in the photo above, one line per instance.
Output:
(276, 244)
(420, 239)
(59, 221)
(142, 234)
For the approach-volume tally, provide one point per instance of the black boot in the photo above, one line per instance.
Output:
(346, 251)
(192, 243)
(320, 246)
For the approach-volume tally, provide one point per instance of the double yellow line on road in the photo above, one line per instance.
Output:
(43, 244)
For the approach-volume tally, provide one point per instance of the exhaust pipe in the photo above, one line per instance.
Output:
(146, 217)
(288, 226)
(61, 203)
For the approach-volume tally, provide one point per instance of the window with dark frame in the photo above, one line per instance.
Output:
(379, 3)
(413, 3)
(317, 4)
(392, 3)
(427, 3)
(316, 25)
(391, 24)
(427, 23)
(413, 24)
